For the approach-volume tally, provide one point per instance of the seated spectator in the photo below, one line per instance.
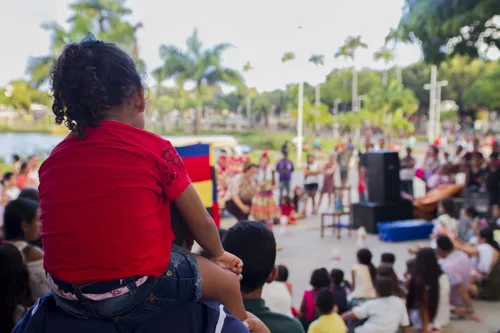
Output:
(445, 223)
(288, 213)
(319, 280)
(283, 277)
(9, 186)
(389, 259)
(363, 277)
(384, 314)
(428, 293)
(457, 266)
(277, 297)
(329, 321)
(493, 179)
(485, 255)
(388, 271)
(466, 222)
(255, 245)
(15, 293)
(340, 290)
(22, 226)
(475, 176)
(22, 177)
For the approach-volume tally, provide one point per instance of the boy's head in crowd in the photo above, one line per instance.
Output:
(469, 212)
(255, 245)
(325, 302)
(384, 286)
(388, 258)
(282, 273)
(320, 278)
(446, 206)
(444, 246)
(337, 276)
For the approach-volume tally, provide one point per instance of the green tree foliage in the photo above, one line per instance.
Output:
(203, 67)
(106, 18)
(445, 27)
(19, 95)
(485, 91)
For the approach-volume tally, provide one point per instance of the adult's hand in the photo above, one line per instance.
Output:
(255, 325)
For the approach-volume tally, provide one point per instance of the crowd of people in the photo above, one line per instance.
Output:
(119, 218)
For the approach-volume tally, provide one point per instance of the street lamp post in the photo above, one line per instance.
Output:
(439, 85)
(300, 124)
(336, 118)
(431, 135)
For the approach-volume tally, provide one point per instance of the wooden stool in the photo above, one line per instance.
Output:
(337, 214)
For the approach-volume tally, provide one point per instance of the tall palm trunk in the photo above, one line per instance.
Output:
(354, 88)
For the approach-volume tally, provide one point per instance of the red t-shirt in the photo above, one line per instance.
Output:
(287, 210)
(105, 204)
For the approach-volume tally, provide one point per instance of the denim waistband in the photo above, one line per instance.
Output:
(100, 287)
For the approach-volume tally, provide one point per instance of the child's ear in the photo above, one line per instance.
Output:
(336, 309)
(273, 275)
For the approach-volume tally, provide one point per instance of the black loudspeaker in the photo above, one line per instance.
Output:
(383, 176)
(369, 214)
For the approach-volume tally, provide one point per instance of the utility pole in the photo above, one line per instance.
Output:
(431, 127)
(300, 124)
(336, 118)
(439, 85)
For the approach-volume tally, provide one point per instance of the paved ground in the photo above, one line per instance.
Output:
(303, 251)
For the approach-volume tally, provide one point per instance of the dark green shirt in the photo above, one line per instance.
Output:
(276, 322)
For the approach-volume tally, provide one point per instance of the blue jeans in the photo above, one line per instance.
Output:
(180, 283)
(284, 188)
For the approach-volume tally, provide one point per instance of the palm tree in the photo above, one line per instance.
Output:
(201, 66)
(395, 36)
(39, 67)
(247, 68)
(318, 60)
(348, 50)
(385, 55)
(104, 13)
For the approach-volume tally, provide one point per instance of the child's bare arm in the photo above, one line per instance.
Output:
(221, 285)
(200, 223)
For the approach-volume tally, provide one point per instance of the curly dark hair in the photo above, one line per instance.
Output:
(89, 79)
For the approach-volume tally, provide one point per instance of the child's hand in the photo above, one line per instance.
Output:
(230, 262)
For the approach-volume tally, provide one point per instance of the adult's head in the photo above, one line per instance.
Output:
(24, 169)
(319, 279)
(29, 193)
(444, 246)
(425, 279)
(486, 235)
(285, 155)
(310, 158)
(255, 245)
(493, 160)
(93, 81)
(249, 170)
(15, 158)
(21, 220)
(33, 162)
(408, 151)
(447, 206)
(381, 143)
(9, 180)
(459, 150)
(264, 161)
(14, 285)
(433, 151)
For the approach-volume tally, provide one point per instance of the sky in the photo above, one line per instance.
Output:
(260, 30)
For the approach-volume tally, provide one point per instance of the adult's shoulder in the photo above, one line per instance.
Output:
(221, 321)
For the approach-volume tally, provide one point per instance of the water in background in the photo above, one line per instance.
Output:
(25, 144)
